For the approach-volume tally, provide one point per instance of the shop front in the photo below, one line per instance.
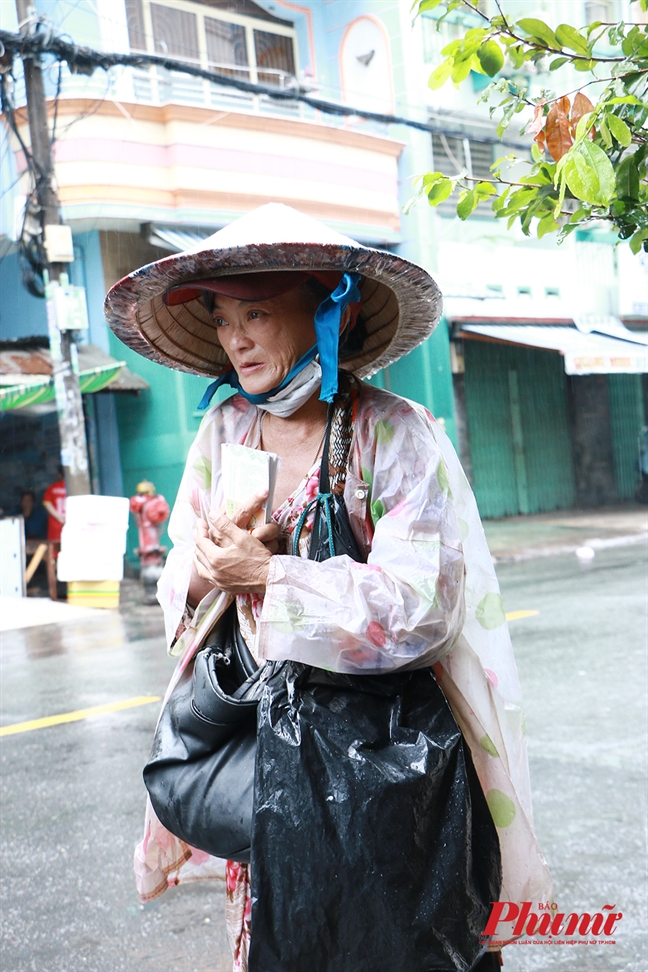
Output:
(551, 414)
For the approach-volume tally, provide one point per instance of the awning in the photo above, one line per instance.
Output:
(26, 374)
(176, 240)
(583, 354)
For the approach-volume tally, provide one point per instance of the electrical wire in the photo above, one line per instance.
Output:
(42, 39)
(31, 255)
(84, 60)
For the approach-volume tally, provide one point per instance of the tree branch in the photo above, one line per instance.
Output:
(550, 101)
(502, 15)
(508, 30)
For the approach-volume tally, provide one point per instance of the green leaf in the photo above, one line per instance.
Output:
(469, 45)
(520, 198)
(627, 179)
(491, 58)
(584, 65)
(505, 120)
(536, 154)
(619, 129)
(518, 56)
(468, 201)
(638, 239)
(616, 33)
(441, 74)
(475, 34)
(578, 215)
(632, 77)
(484, 190)
(440, 191)
(589, 173)
(431, 177)
(537, 177)
(539, 31)
(632, 42)
(558, 62)
(426, 5)
(450, 6)
(624, 100)
(569, 37)
(451, 48)
(500, 201)
(562, 187)
(584, 125)
(460, 70)
(604, 131)
(547, 225)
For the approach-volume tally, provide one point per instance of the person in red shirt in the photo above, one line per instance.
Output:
(54, 503)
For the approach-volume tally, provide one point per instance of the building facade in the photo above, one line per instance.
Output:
(148, 161)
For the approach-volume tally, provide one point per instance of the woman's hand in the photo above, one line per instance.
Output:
(230, 557)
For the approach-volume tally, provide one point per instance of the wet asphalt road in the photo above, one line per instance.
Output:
(72, 797)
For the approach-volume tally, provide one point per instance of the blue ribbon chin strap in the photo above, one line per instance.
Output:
(328, 317)
(232, 379)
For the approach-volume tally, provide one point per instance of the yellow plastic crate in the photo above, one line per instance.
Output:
(98, 594)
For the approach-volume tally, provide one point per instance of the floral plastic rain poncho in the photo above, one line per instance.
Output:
(428, 595)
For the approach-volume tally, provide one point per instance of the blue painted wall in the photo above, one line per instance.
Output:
(21, 315)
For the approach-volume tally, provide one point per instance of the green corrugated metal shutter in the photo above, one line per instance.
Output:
(626, 420)
(518, 428)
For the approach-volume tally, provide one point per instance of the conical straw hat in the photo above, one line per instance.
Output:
(401, 303)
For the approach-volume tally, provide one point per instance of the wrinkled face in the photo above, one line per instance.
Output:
(264, 339)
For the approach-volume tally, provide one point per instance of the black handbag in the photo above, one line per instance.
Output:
(200, 774)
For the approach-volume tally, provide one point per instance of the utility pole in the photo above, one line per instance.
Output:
(74, 452)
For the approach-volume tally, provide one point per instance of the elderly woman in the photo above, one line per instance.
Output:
(274, 305)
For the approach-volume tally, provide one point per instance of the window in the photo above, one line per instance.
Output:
(175, 32)
(452, 153)
(274, 53)
(226, 45)
(238, 39)
(597, 10)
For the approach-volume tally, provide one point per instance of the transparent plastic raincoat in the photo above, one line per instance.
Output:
(427, 596)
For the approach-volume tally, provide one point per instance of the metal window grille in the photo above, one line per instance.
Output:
(274, 52)
(230, 44)
(136, 25)
(175, 32)
(452, 153)
(226, 46)
(481, 159)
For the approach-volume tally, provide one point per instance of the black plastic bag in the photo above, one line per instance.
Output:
(373, 849)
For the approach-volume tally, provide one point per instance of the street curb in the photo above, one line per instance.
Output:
(596, 543)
